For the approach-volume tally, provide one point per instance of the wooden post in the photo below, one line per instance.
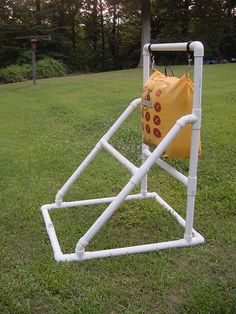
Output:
(34, 71)
(34, 39)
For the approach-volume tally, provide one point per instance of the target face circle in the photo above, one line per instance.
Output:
(147, 127)
(147, 116)
(156, 120)
(157, 107)
(157, 132)
(158, 92)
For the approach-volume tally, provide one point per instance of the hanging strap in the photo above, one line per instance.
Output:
(168, 67)
(152, 57)
(190, 54)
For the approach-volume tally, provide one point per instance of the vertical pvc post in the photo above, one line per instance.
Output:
(146, 65)
(192, 179)
(146, 73)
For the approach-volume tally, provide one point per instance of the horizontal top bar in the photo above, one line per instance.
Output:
(195, 46)
(34, 37)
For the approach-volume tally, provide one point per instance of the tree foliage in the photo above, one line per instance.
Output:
(98, 35)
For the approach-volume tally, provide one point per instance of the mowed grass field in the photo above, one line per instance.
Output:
(45, 132)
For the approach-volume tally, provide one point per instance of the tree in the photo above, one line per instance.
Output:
(206, 25)
(98, 35)
(102, 33)
(37, 11)
(146, 28)
(228, 35)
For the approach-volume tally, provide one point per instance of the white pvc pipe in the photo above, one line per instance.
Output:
(136, 178)
(118, 156)
(59, 256)
(133, 105)
(195, 46)
(146, 64)
(146, 73)
(145, 178)
(52, 234)
(140, 248)
(172, 171)
(95, 150)
(76, 174)
(96, 201)
(180, 219)
(193, 163)
(163, 203)
(131, 250)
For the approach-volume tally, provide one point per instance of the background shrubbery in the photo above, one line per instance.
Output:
(15, 73)
(49, 67)
(46, 67)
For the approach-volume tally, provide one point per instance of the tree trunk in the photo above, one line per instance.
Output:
(95, 35)
(37, 11)
(186, 18)
(61, 13)
(102, 34)
(73, 34)
(72, 14)
(113, 33)
(146, 29)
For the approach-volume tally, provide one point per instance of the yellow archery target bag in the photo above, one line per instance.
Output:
(165, 99)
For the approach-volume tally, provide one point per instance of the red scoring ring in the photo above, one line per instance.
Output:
(158, 92)
(156, 120)
(157, 107)
(157, 132)
(147, 116)
(147, 127)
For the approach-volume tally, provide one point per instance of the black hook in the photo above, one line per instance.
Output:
(190, 58)
(152, 57)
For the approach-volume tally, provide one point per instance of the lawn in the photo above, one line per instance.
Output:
(46, 131)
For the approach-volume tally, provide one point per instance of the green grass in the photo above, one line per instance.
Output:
(46, 131)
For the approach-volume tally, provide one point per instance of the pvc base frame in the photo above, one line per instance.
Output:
(59, 256)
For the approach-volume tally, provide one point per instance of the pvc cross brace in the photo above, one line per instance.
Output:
(139, 175)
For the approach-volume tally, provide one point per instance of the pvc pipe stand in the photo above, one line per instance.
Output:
(139, 175)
